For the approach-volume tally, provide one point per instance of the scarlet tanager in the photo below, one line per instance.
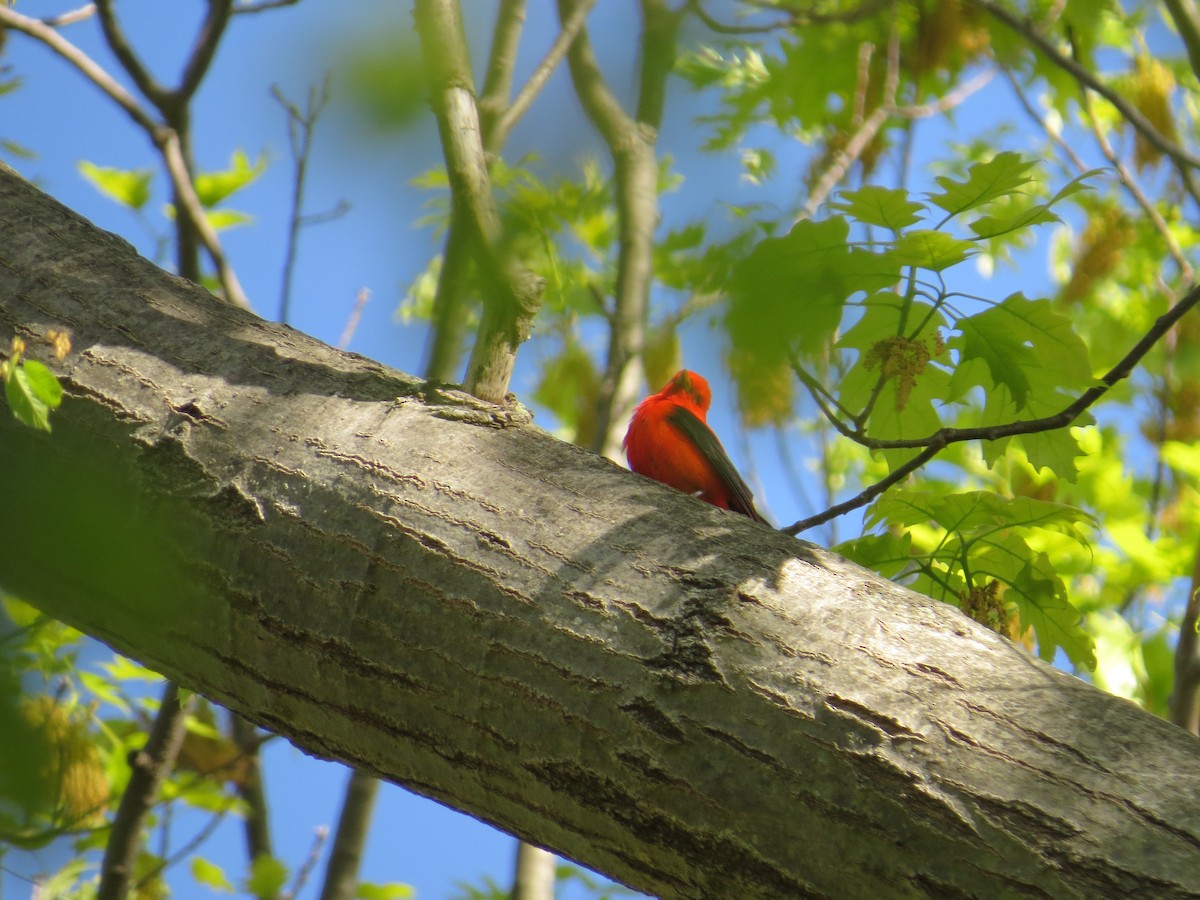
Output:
(670, 441)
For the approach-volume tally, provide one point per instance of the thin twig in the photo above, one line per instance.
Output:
(1184, 160)
(529, 91)
(71, 16)
(793, 19)
(123, 51)
(360, 301)
(1134, 188)
(1054, 134)
(262, 6)
(300, 132)
(320, 835)
(84, 63)
(185, 189)
(934, 443)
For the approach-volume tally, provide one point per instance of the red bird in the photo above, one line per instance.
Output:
(670, 441)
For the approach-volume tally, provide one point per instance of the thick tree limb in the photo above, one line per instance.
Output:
(429, 589)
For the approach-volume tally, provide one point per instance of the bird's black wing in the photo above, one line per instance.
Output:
(741, 500)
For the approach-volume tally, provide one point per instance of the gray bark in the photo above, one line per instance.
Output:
(439, 593)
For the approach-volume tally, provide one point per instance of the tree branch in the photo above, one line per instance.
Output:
(150, 766)
(674, 695)
(498, 76)
(301, 124)
(508, 318)
(85, 64)
(1186, 17)
(631, 144)
(1183, 159)
(114, 36)
(165, 138)
(208, 38)
(345, 858)
(1185, 696)
(529, 91)
(934, 443)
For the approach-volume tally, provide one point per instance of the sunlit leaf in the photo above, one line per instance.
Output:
(26, 393)
(886, 207)
(210, 875)
(1002, 174)
(267, 877)
(789, 292)
(129, 187)
(1025, 343)
(367, 890)
(933, 250)
(213, 187)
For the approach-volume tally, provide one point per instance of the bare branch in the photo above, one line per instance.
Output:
(150, 766)
(1131, 184)
(205, 48)
(262, 6)
(1186, 17)
(81, 61)
(345, 857)
(114, 35)
(1183, 159)
(508, 317)
(360, 302)
(529, 91)
(502, 58)
(181, 179)
(71, 16)
(793, 19)
(300, 131)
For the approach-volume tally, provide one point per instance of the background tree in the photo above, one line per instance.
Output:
(864, 298)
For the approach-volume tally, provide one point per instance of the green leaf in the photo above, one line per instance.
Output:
(887, 553)
(102, 689)
(129, 187)
(934, 250)
(25, 400)
(1002, 174)
(1025, 343)
(43, 383)
(790, 291)
(1042, 602)
(222, 219)
(886, 207)
(210, 875)
(122, 668)
(368, 891)
(268, 875)
(213, 187)
(1025, 216)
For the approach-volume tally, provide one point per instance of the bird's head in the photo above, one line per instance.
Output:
(691, 385)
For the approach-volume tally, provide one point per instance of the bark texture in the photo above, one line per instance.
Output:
(435, 591)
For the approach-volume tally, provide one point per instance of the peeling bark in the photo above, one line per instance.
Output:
(435, 591)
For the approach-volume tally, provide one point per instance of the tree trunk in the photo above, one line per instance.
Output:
(435, 591)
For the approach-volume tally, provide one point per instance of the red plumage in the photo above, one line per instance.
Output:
(669, 440)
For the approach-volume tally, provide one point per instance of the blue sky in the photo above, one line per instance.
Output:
(63, 120)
